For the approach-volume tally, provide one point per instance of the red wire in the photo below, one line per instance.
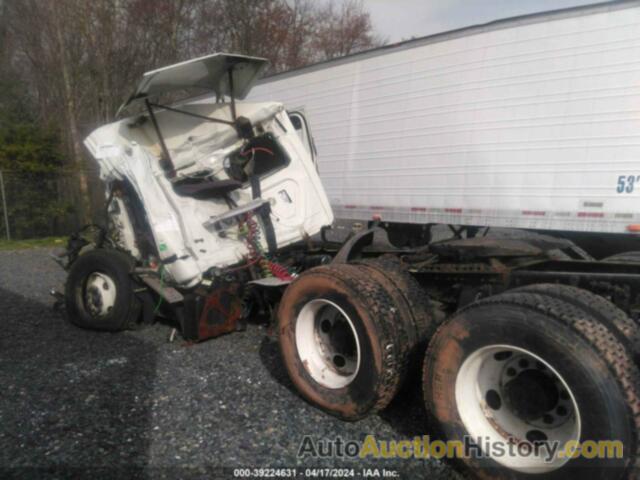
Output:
(277, 270)
(280, 271)
(241, 267)
(257, 149)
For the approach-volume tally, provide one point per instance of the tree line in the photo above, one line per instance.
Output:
(67, 65)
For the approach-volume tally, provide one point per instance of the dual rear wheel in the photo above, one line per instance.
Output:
(528, 376)
(540, 371)
(348, 334)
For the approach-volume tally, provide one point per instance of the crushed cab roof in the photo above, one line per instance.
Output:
(210, 72)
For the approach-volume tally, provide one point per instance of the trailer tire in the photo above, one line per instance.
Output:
(340, 337)
(624, 257)
(569, 359)
(599, 308)
(99, 291)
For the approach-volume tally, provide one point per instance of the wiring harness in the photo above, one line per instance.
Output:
(252, 234)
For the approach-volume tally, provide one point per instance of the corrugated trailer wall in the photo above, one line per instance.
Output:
(531, 122)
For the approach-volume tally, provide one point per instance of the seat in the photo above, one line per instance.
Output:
(205, 189)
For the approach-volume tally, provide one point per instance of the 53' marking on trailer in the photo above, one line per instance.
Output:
(626, 183)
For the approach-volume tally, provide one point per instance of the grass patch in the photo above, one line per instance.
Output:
(32, 243)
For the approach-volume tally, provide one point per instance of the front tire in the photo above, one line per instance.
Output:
(99, 292)
(528, 368)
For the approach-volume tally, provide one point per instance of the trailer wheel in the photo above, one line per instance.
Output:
(532, 371)
(624, 257)
(599, 308)
(340, 336)
(99, 292)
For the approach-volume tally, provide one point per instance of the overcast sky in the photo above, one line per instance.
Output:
(402, 19)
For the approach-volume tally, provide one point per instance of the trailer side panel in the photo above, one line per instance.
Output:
(526, 124)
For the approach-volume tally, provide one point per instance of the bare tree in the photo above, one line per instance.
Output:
(289, 33)
(47, 37)
(344, 30)
(79, 60)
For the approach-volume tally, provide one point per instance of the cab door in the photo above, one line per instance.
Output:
(301, 126)
(299, 203)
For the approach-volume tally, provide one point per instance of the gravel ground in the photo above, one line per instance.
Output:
(135, 405)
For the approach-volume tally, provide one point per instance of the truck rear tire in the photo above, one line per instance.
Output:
(99, 292)
(624, 257)
(420, 315)
(533, 370)
(427, 314)
(340, 337)
(597, 307)
(409, 333)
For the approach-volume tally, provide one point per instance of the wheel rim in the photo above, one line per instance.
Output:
(510, 395)
(327, 343)
(99, 294)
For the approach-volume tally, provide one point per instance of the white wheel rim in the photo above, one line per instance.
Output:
(509, 395)
(99, 294)
(327, 344)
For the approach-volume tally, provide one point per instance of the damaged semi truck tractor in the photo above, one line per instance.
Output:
(215, 212)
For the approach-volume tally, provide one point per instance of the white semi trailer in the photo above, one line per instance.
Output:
(529, 122)
(528, 345)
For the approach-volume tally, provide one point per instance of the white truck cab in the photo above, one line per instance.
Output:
(195, 170)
